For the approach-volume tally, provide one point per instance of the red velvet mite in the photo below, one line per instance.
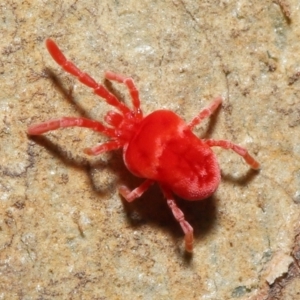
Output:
(159, 147)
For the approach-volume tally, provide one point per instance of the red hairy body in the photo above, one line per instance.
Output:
(159, 147)
(173, 156)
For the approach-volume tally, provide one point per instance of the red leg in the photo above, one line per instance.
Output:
(105, 147)
(134, 93)
(41, 128)
(86, 79)
(137, 192)
(206, 112)
(179, 216)
(236, 148)
(113, 118)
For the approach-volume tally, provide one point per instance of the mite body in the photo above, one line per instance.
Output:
(160, 147)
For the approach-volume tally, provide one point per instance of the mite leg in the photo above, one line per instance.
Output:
(37, 129)
(179, 216)
(134, 93)
(86, 79)
(254, 164)
(105, 147)
(137, 192)
(206, 112)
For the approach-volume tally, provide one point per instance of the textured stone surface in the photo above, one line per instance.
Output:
(65, 232)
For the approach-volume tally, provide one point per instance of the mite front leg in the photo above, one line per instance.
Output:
(179, 216)
(83, 77)
(134, 93)
(40, 128)
(105, 147)
(129, 195)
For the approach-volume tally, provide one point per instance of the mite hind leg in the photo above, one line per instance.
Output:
(243, 152)
(179, 216)
(129, 195)
(206, 112)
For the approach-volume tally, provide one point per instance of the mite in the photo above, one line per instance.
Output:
(159, 147)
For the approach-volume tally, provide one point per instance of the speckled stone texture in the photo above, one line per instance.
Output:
(65, 233)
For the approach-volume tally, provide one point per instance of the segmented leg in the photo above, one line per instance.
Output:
(86, 79)
(137, 192)
(179, 216)
(105, 147)
(206, 112)
(236, 148)
(113, 118)
(134, 93)
(63, 122)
